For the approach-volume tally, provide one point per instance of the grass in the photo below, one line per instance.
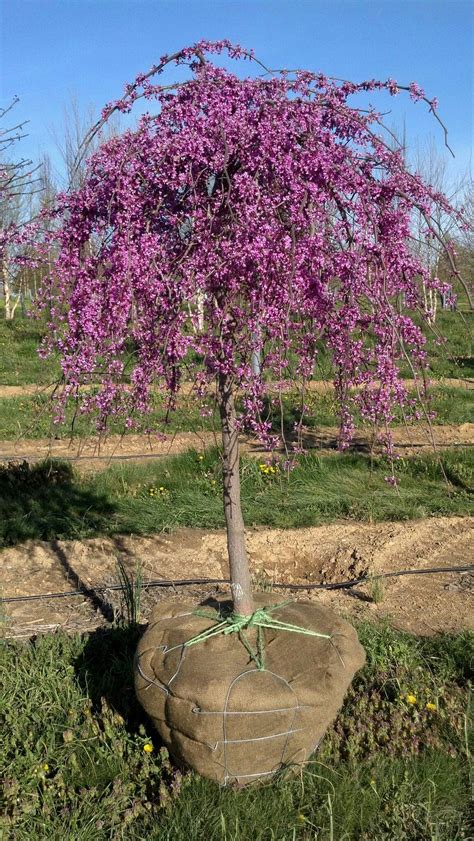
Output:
(20, 364)
(46, 501)
(19, 361)
(77, 766)
(49, 500)
(318, 490)
(455, 358)
(32, 416)
(451, 405)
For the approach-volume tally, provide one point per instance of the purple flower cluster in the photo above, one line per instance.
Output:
(257, 216)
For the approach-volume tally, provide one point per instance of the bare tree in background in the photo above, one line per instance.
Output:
(18, 183)
(432, 166)
(465, 241)
(69, 137)
(27, 189)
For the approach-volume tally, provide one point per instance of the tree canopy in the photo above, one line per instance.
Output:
(261, 215)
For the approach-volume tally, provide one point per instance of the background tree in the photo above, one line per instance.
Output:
(431, 165)
(17, 184)
(69, 138)
(463, 243)
(281, 209)
(37, 200)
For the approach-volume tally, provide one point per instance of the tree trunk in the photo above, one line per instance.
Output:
(9, 308)
(200, 310)
(256, 357)
(238, 562)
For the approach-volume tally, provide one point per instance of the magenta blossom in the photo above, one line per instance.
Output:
(258, 216)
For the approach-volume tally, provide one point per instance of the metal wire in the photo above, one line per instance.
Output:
(225, 742)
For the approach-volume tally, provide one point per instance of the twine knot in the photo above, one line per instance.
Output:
(235, 623)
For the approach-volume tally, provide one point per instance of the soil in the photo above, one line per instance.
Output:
(422, 604)
(92, 454)
(320, 386)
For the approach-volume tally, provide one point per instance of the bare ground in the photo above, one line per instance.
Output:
(423, 604)
(93, 454)
(319, 386)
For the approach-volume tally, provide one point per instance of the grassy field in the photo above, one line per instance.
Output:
(32, 416)
(20, 364)
(19, 361)
(49, 500)
(81, 763)
(454, 357)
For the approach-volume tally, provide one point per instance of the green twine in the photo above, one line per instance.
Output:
(235, 623)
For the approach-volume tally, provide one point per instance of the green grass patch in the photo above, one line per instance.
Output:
(49, 500)
(20, 338)
(74, 765)
(452, 405)
(19, 360)
(32, 416)
(320, 489)
(455, 356)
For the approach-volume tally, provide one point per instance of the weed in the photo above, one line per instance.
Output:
(376, 588)
(131, 593)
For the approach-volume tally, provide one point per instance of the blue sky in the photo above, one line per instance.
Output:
(52, 49)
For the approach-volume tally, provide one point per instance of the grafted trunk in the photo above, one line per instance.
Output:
(238, 561)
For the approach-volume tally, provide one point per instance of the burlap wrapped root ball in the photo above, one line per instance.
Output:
(221, 714)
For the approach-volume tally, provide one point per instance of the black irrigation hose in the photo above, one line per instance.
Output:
(183, 582)
(145, 584)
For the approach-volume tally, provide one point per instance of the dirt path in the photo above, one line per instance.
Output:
(320, 386)
(422, 604)
(93, 454)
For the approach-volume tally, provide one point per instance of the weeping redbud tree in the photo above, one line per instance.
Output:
(249, 218)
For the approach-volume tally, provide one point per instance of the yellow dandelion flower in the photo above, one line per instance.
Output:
(148, 748)
(201, 458)
(45, 767)
(300, 819)
(431, 707)
(411, 699)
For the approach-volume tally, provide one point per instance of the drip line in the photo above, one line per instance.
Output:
(189, 582)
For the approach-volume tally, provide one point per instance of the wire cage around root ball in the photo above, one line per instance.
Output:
(239, 699)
